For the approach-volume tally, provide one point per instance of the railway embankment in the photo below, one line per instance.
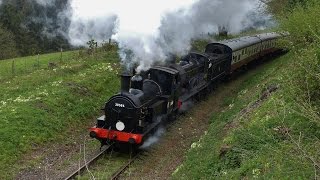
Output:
(271, 128)
(47, 102)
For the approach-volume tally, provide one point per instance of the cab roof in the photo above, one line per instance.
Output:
(165, 69)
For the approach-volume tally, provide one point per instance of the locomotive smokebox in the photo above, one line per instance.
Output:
(137, 82)
(125, 82)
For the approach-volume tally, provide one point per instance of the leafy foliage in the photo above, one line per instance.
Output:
(302, 24)
(34, 27)
(7, 44)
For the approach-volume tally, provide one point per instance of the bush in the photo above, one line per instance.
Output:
(304, 79)
(303, 24)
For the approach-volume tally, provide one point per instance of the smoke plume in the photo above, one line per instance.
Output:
(205, 16)
(179, 27)
(83, 30)
(149, 32)
(54, 15)
(186, 106)
(153, 139)
(46, 2)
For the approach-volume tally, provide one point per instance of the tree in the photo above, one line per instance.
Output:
(35, 27)
(7, 44)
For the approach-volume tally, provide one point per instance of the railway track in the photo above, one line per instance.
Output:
(122, 169)
(114, 176)
(85, 166)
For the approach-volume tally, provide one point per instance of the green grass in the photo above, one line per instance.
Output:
(272, 141)
(42, 105)
(106, 166)
(25, 65)
(279, 139)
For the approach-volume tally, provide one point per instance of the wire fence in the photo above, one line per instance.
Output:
(24, 65)
(29, 64)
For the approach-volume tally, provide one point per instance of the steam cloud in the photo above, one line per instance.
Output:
(205, 16)
(153, 139)
(186, 106)
(52, 17)
(54, 25)
(99, 29)
(179, 27)
(171, 32)
(46, 2)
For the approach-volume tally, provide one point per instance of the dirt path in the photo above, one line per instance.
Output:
(57, 161)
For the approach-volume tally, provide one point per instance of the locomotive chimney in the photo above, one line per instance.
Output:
(125, 82)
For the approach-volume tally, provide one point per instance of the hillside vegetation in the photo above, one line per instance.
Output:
(271, 128)
(30, 27)
(46, 102)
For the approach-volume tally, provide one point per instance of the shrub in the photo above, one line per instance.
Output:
(303, 24)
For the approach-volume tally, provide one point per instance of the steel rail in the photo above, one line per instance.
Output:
(81, 169)
(117, 174)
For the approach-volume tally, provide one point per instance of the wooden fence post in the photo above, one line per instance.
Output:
(38, 61)
(61, 54)
(13, 68)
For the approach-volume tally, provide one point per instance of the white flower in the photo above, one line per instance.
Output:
(44, 93)
(256, 173)
(20, 99)
(56, 83)
(193, 145)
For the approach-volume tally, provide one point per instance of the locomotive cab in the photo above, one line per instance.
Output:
(168, 80)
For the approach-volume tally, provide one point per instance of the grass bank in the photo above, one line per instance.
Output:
(271, 128)
(46, 104)
(271, 138)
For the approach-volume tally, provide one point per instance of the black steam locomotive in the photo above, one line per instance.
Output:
(148, 99)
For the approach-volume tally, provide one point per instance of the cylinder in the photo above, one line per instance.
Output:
(125, 82)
